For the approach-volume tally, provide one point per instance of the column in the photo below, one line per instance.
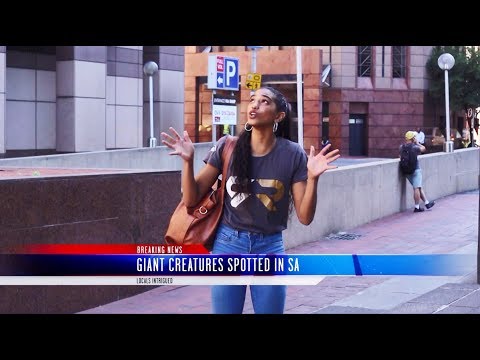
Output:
(312, 98)
(81, 98)
(124, 122)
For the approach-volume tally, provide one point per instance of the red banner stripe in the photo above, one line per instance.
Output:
(144, 249)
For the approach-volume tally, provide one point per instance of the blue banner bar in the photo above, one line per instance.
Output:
(199, 264)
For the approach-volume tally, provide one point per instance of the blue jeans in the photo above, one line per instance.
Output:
(230, 299)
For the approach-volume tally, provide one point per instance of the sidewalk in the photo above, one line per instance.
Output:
(451, 226)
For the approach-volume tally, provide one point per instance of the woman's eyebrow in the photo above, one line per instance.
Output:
(266, 96)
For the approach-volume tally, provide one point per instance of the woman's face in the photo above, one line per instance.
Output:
(261, 109)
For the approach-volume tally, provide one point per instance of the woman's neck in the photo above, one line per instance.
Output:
(262, 144)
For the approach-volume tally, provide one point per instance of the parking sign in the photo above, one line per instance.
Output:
(223, 72)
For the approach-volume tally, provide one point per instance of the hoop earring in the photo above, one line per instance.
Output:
(275, 126)
(248, 128)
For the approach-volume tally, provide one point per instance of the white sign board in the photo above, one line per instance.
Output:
(224, 110)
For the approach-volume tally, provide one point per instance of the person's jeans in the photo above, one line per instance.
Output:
(416, 178)
(230, 299)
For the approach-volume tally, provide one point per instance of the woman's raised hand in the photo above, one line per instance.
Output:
(318, 164)
(180, 146)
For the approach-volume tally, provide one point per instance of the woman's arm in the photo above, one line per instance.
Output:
(193, 188)
(305, 192)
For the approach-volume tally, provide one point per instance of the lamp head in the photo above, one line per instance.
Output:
(150, 68)
(446, 61)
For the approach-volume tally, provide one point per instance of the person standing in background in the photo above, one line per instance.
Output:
(415, 178)
(420, 136)
(476, 135)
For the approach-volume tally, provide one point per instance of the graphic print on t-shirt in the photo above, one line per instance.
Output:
(273, 191)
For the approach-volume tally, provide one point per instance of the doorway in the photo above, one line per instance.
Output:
(357, 138)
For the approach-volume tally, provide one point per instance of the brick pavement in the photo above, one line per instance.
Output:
(450, 226)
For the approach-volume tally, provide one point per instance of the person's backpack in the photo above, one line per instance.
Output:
(408, 159)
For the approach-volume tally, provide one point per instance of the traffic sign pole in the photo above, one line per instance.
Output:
(214, 127)
(254, 60)
(254, 65)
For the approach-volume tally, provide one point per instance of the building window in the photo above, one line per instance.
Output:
(364, 61)
(399, 61)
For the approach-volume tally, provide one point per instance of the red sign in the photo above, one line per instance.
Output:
(220, 63)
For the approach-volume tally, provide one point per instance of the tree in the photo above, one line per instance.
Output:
(463, 78)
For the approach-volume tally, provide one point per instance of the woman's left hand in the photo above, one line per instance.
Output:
(318, 164)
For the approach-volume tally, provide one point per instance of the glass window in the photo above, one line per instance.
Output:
(399, 61)
(364, 61)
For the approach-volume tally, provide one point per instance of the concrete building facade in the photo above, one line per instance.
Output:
(64, 99)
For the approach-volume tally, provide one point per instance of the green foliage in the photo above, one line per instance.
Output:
(463, 78)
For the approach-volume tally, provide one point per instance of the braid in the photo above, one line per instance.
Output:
(241, 161)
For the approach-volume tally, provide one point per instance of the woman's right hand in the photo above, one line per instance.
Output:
(181, 146)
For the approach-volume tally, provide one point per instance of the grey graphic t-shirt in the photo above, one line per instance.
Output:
(265, 208)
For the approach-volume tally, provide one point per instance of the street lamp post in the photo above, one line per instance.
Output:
(149, 69)
(446, 62)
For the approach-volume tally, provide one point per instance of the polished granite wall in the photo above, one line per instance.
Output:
(120, 208)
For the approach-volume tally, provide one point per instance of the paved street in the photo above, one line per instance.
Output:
(451, 226)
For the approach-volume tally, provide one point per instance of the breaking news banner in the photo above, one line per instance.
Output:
(88, 264)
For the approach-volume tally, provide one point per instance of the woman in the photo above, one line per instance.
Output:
(266, 173)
